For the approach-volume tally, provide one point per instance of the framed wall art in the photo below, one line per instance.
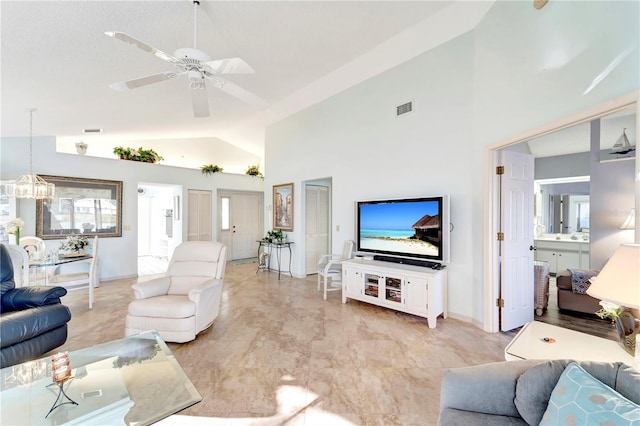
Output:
(283, 207)
(80, 207)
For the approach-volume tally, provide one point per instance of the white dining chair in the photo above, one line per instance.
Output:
(36, 250)
(20, 262)
(330, 268)
(34, 246)
(75, 280)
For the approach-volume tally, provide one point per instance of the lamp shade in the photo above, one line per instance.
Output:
(630, 221)
(619, 280)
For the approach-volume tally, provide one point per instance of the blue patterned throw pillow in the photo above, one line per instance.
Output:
(581, 399)
(580, 279)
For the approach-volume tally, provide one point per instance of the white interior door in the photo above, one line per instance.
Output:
(245, 225)
(516, 280)
(199, 217)
(317, 225)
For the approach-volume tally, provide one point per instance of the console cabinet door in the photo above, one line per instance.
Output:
(416, 289)
(373, 284)
(393, 291)
(353, 283)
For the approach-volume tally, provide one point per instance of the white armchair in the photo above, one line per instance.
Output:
(187, 299)
(330, 268)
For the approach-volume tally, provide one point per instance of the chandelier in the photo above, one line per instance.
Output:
(30, 185)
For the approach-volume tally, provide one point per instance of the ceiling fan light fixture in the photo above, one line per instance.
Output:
(197, 66)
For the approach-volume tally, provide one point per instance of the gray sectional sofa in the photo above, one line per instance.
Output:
(518, 392)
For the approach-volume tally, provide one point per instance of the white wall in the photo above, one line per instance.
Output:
(519, 69)
(356, 139)
(612, 198)
(118, 256)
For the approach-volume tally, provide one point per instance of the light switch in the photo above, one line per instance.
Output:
(127, 227)
(337, 228)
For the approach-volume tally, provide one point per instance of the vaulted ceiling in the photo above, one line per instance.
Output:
(56, 57)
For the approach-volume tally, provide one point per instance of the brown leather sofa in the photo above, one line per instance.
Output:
(568, 300)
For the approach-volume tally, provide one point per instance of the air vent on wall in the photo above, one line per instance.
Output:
(404, 108)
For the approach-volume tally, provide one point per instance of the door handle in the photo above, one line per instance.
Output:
(532, 248)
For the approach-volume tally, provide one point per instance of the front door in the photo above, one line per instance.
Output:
(516, 278)
(245, 225)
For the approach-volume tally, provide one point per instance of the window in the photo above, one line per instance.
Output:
(224, 213)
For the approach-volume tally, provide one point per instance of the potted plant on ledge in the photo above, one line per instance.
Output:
(254, 171)
(140, 154)
(210, 169)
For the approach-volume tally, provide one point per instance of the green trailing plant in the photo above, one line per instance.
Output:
(140, 154)
(275, 236)
(210, 169)
(254, 171)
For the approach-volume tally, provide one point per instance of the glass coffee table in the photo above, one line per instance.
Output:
(131, 381)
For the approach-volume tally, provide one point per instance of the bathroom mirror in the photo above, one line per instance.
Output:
(562, 207)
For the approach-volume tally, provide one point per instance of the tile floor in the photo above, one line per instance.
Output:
(279, 354)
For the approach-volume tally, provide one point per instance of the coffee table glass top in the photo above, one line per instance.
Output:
(131, 381)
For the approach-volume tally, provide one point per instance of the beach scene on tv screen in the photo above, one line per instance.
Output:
(401, 227)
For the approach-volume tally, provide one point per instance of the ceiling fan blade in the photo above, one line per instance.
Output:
(243, 94)
(143, 46)
(200, 101)
(230, 66)
(143, 81)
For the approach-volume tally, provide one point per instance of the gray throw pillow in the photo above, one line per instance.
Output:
(534, 388)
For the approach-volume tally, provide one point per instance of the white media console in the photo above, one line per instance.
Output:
(416, 290)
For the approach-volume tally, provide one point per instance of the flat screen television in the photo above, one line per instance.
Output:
(416, 228)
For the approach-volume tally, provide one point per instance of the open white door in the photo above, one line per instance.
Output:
(516, 278)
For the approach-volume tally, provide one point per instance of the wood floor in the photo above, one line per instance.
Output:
(279, 354)
(585, 323)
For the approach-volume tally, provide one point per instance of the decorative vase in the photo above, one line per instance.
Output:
(17, 236)
(81, 148)
(628, 327)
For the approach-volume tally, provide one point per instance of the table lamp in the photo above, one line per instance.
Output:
(619, 283)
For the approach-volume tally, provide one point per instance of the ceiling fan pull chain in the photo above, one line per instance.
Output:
(195, 23)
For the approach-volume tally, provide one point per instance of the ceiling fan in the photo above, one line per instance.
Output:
(197, 66)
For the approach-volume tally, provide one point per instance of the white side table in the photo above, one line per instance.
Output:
(563, 343)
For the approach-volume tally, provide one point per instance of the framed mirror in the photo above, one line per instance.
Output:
(80, 207)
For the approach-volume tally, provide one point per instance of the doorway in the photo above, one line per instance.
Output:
(199, 215)
(317, 222)
(493, 210)
(240, 218)
(159, 228)
(317, 225)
